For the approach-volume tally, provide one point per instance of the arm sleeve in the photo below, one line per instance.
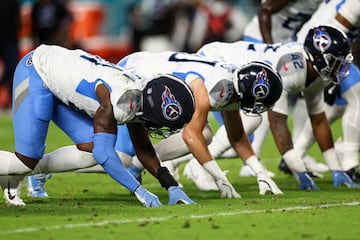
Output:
(105, 155)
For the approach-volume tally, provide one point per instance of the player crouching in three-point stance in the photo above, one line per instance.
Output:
(87, 97)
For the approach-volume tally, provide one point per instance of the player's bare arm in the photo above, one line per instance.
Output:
(104, 120)
(265, 11)
(143, 147)
(192, 133)
(280, 131)
(322, 131)
(236, 134)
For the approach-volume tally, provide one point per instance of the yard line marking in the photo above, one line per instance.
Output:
(103, 223)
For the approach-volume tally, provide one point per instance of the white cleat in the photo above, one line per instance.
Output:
(202, 179)
(314, 166)
(246, 171)
(12, 197)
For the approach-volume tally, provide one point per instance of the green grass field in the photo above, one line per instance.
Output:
(93, 206)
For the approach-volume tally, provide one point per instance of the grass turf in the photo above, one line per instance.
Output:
(93, 206)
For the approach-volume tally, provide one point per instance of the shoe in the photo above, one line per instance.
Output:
(314, 166)
(36, 185)
(284, 168)
(246, 171)
(202, 179)
(354, 173)
(12, 196)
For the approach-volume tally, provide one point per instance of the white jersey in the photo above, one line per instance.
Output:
(325, 14)
(217, 76)
(73, 75)
(288, 59)
(286, 22)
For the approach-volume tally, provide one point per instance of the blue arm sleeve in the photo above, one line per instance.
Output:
(105, 155)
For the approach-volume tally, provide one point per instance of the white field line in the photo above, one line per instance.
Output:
(124, 221)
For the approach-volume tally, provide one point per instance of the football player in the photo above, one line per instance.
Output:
(343, 98)
(308, 68)
(87, 97)
(217, 86)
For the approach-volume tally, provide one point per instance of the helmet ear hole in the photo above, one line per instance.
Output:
(167, 102)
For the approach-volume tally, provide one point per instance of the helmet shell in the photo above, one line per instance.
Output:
(329, 50)
(167, 102)
(259, 86)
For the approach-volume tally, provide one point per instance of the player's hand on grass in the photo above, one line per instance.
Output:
(177, 196)
(340, 177)
(226, 189)
(305, 181)
(147, 198)
(266, 184)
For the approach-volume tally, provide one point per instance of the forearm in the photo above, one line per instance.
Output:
(105, 155)
(280, 131)
(322, 131)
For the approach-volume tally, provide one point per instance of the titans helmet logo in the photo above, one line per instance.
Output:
(260, 88)
(171, 108)
(321, 40)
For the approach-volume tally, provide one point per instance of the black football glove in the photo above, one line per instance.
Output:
(331, 92)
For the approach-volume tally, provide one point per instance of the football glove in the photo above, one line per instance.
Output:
(331, 92)
(340, 177)
(305, 181)
(226, 189)
(177, 196)
(147, 198)
(267, 184)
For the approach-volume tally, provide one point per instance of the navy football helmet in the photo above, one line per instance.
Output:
(168, 104)
(258, 85)
(329, 50)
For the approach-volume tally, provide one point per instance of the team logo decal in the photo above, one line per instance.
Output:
(321, 40)
(171, 108)
(260, 88)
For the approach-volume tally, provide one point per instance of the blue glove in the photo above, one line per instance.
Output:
(177, 196)
(305, 181)
(340, 177)
(147, 198)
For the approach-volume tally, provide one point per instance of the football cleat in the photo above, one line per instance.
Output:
(12, 196)
(354, 173)
(283, 167)
(246, 171)
(36, 185)
(202, 179)
(314, 166)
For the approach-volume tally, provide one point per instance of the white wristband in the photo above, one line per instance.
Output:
(332, 159)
